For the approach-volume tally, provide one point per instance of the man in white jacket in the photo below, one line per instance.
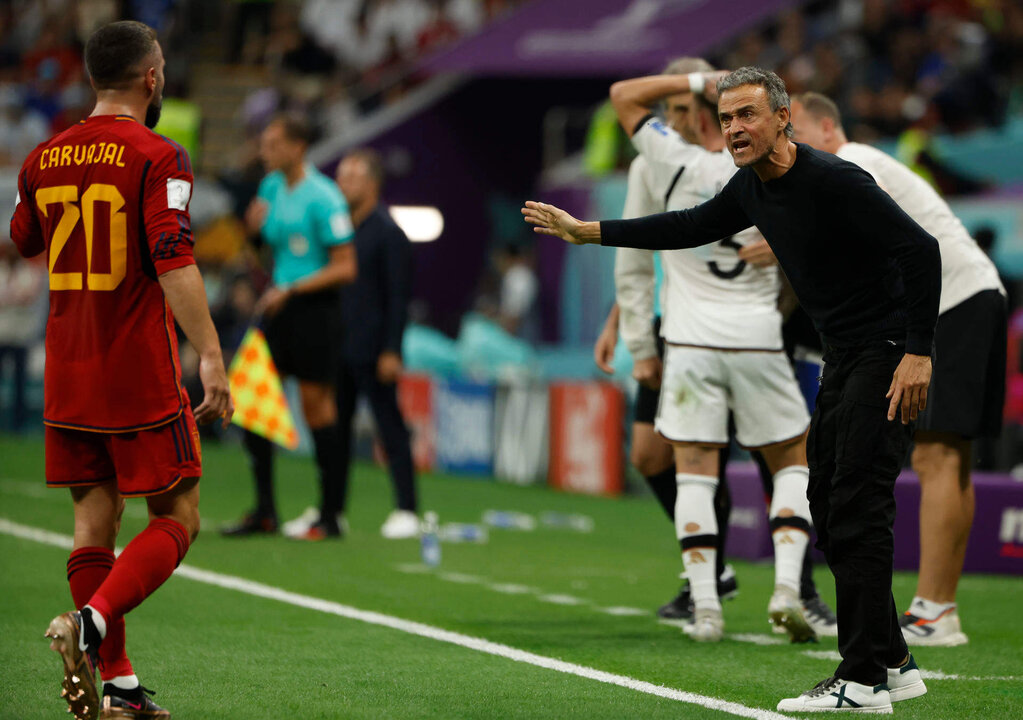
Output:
(967, 390)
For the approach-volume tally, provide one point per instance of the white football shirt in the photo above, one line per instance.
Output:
(711, 297)
(965, 269)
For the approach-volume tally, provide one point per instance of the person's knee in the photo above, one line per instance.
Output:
(649, 461)
(935, 459)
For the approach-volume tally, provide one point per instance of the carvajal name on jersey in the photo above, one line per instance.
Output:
(67, 155)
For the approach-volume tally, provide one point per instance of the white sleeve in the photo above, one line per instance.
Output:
(666, 155)
(634, 271)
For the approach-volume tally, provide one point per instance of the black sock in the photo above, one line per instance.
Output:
(807, 588)
(666, 489)
(722, 510)
(261, 458)
(328, 459)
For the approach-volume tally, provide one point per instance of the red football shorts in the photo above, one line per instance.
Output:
(146, 462)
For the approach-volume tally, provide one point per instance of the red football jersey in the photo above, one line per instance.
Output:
(107, 200)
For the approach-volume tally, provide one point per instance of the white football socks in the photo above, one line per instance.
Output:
(696, 527)
(928, 609)
(790, 524)
(124, 682)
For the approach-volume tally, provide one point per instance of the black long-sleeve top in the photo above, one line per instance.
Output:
(860, 266)
(375, 306)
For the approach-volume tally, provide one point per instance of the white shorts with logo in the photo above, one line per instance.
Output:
(701, 385)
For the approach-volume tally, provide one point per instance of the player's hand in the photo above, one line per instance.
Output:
(216, 401)
(549, 220)
(648, 372)
(389, 367)
(604, 348)
(272, 301)
(710, 87)
(758, 254)
(908, 391)
(255, 215)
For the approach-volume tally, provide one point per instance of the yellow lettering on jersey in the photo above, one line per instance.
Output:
(42, 159)
(120, 154)
(65, 155)
(91, 154)
(109, 154)
(99, 152)
(79, 154)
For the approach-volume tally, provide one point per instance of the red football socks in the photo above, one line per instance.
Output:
(148, 560)
(87, 568)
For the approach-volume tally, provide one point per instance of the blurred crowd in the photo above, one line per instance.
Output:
(893, 64)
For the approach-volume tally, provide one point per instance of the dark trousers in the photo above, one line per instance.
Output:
(855, 454)
(19, 360)
(356, 379)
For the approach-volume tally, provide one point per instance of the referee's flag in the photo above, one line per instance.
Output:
(260, 405)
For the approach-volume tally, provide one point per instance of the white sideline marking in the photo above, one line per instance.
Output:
(39, 491)
(757, 639)
(269, 592)
(460, 578)
(558, 599)
(925, 674)
(512, 589)
(624, 611)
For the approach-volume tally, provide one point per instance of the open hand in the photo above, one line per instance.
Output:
(272, 301)
(909, 387)
(549, 220)
(604, 348)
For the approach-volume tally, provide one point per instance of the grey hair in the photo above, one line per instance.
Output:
(777, 95)
(686, 65)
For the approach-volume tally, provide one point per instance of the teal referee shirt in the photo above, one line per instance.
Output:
(303, 222)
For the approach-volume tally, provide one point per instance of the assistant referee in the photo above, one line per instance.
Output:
(302, 216)
(870, 278)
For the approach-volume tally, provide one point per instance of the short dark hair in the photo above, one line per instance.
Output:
(114, 53)
(374, 163)
(777, 95)
(820, 106)
(295, 127)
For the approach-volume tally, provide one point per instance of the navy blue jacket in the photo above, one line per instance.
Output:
(375, 306)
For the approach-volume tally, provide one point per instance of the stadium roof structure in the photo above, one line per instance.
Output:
(571, 38)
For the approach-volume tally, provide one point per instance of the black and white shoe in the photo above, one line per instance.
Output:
(681, 606)
(74, 636)
(942, 631)
(906, 683)
(820, 616)
(133, 704)
(836, 695)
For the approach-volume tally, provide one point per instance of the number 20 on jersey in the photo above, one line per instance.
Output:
(85, 211)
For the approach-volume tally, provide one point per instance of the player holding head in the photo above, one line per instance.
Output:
(107, 200)
(968, 389)
(725, 351)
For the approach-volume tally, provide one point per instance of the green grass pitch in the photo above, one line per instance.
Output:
(219, 653)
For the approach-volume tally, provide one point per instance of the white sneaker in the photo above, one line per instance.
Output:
(821, 617)
(905, 683)
(298, 527)
(707, 625)
(785, 611)
(942, 631)
(400, 525)
(834, 695)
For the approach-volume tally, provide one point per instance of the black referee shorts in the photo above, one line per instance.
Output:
(967, 392)
(305, 336)
(647, 399)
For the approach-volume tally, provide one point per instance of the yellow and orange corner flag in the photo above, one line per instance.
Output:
(260, 405)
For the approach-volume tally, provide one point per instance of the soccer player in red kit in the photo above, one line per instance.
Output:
(107, 201)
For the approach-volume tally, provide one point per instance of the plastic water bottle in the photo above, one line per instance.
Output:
(463, 533)
(509, 520)
(429, 540)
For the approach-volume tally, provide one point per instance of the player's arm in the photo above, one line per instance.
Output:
(186, 295)
(26, 232)
(719, 217)
(635, 281)
(635, 100)
(167, 232)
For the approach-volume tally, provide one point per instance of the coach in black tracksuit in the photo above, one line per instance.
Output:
(870, 279)
(375, 310)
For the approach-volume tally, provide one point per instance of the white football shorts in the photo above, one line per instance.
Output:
(700, 385)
